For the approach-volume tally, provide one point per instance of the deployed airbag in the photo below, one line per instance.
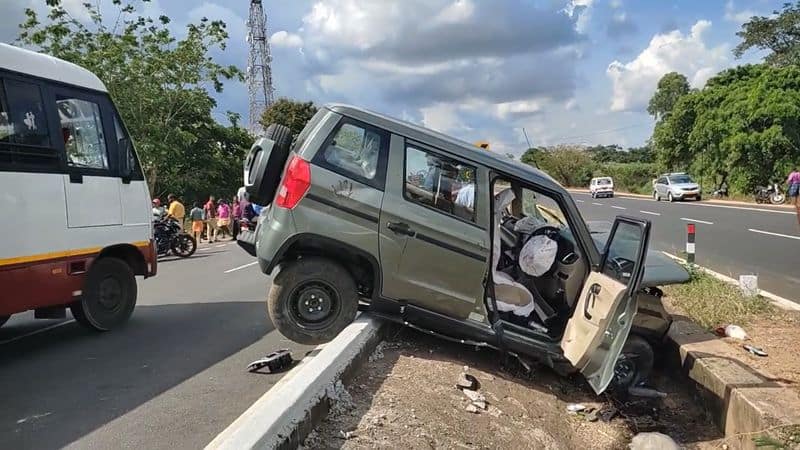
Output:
(537, 255)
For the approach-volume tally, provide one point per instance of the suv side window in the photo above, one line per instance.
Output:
(357, 151)
(440, 182)
(82, 129)
(662, 180)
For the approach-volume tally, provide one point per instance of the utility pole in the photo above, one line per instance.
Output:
(259, 72)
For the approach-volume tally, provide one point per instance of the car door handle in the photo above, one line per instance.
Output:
(590, 297)
(400, 228)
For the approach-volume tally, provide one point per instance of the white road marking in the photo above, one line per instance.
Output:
(651, 213)
(696, 220)
(203, 249)
(746, 208)
(598, 204)
(618, 207)
(241, 267)
(774, 234)
(220, 245)
(579, 201)
(40, 330)
(779, 301)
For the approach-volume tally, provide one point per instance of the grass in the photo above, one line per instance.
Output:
(711, 302)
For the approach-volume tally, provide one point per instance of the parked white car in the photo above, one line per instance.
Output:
(601, 187)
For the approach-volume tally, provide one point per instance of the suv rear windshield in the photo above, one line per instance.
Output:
(677, 179)
(604, 181)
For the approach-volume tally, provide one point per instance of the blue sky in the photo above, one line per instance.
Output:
(570, 71)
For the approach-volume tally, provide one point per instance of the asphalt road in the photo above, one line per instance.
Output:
(173, 377)
(730, 239)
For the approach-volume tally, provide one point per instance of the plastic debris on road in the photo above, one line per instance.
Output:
(276, 361)
(575, 408)
(758, 351)
(732, 331)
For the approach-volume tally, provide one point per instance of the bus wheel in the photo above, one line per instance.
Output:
(3, 320)
(109, 295)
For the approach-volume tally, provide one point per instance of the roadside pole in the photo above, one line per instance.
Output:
(690, 231)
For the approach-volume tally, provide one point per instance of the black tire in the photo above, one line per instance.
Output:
(3, 320)
(109, 295)
(634, 364)
(670, 198)
(699, 198)
(656, 197)
(184, 245)
(267, 174)
(312, 283)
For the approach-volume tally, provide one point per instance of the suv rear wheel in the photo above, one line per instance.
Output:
(312, 300)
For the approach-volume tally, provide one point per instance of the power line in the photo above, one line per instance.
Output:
(594, 133)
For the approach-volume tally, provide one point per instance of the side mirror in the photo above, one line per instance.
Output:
(125, 158)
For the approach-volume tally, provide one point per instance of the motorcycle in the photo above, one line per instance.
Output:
(720, 193)
(770, 194)
(169, 237)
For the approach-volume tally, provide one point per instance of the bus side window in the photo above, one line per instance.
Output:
(25, 140)
(123, 141)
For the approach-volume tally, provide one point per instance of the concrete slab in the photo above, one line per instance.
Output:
(744, 402)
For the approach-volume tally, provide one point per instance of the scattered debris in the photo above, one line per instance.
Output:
(472, 408)
(754, 350)
(653, 441)
(339, 399)
(575, 408)
(593, 415)
(732, 331)
(346, 435)
(640, 391)
(33, 417)
(474, 396)
(467, 381)
(378, 353)
(608, 413)
(276, 361)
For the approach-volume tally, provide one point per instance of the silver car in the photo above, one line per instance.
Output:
(676, 186)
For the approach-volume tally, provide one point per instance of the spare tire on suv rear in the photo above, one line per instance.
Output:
(265, 164)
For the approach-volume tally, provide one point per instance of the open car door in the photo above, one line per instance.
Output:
(603, 316)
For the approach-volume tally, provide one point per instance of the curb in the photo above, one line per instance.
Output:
(714, 201)
(283, 417)
(743, 402)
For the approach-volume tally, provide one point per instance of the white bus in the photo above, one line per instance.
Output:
(76, 216)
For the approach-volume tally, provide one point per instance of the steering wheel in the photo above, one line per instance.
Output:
(621, 267)
(549, 231)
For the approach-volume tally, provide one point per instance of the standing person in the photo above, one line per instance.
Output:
(158, 210)
(237, 216)
(210, 209)
(794, 190)
(176, 210)
(197, 215)
(224, 217)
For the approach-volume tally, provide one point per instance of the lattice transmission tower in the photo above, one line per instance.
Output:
(259, 72)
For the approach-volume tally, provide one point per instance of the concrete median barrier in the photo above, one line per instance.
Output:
(285, 415)
(744, 402)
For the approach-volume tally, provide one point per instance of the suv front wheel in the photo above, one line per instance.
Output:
(312, 300)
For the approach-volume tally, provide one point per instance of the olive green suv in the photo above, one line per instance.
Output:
(366, 211)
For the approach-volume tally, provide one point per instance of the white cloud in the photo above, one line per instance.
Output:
(583, 10)
(737, 17)
(285, 39)
(616, 4)
(518, 107)
(457, 12)
(634, 82)
(441, 117)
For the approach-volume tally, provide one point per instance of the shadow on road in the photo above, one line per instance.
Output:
(60, 385)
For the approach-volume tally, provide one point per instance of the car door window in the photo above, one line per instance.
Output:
(82, 130)
(440, 182)
(357, 151)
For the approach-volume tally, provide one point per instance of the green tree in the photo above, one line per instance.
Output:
(290, 113)
(570, 165)
(671, 136)
(671, 87)
(777, 34)
(159, 83)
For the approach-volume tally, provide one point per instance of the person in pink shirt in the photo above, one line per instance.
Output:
(794, 190)
(224, 217)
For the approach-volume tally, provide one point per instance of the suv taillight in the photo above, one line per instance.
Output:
(295, 183)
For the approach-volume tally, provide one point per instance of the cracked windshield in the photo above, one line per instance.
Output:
(318, 224)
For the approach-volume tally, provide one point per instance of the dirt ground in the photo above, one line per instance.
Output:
(777, 335)
(406, 397)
